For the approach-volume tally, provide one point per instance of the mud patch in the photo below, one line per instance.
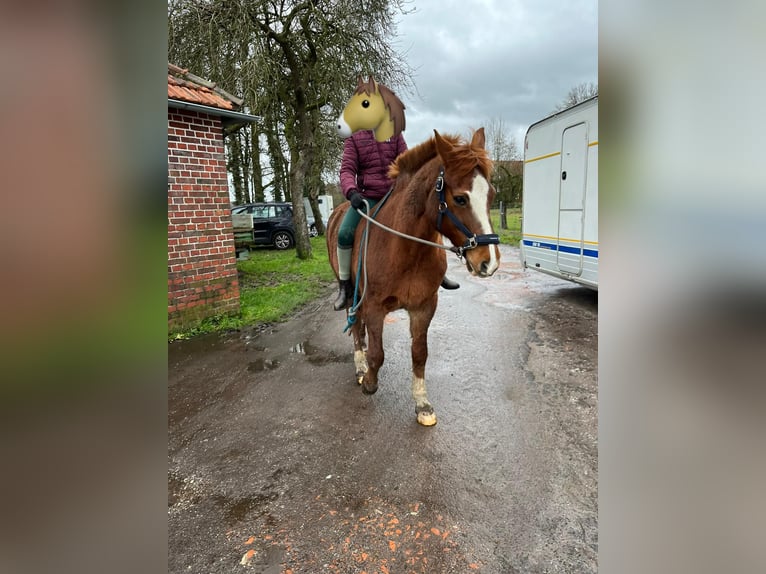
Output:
(181, 491)
(260, 365)
(237, 510)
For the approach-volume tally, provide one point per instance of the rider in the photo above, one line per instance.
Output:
(364, 175)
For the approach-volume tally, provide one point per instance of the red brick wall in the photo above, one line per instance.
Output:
(202, 270)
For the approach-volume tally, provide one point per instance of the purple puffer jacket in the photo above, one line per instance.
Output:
(365, 163)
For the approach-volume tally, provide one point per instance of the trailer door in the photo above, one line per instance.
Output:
(574, 158)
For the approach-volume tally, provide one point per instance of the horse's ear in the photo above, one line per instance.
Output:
(478, 139)
(443, 147)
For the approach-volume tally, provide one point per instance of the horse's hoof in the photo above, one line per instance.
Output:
(369, 388)
(426, 415)
(427, 419)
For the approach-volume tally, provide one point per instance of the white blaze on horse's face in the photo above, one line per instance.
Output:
(479, 206)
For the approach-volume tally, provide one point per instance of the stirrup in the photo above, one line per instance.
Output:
(448, 283)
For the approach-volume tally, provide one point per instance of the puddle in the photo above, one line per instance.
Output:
(330, 358)
(262, 365)
(316, 356)
(304, 348)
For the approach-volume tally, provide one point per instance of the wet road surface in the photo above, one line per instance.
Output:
(278, 462)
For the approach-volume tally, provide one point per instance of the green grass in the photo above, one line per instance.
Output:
(273, 285)
(512, 235)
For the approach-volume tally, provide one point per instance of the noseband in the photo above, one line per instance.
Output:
(472, 240)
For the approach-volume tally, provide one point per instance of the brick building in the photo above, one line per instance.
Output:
(202, 271)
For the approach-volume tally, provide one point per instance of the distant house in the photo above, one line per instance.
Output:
(202, 271)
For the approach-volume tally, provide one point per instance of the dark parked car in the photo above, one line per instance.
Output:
(272, 223)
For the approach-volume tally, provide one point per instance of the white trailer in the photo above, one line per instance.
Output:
(560, 205)
(325, 206)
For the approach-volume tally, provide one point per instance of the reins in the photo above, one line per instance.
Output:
(472, 240)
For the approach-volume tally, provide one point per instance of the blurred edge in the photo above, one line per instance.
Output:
(683, 300)
(83, 392)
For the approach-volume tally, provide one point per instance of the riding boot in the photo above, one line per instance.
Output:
(448, 283)
(345, 292)
(345, 288)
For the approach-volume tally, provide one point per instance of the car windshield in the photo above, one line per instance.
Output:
(266, 211)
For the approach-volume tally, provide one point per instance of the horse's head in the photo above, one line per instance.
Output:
(372, 107)
(464, 201)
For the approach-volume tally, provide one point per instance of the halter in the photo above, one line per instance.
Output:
(472, 240)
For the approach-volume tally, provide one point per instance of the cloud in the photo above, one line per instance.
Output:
(475, 61)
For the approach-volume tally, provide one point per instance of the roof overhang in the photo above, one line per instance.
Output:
(232, 120)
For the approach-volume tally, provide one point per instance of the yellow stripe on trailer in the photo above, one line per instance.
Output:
(559, 238)
(554, 154)
(543, 157)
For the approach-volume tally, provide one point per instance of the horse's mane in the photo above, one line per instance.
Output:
(412, 159)
(463, 160)
(392, 102)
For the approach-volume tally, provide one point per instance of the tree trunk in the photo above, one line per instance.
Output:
(315, 186)
(244, 133)
(315, 211)
(234, 165)
(255, 161)
(300, 165)
(277, 163)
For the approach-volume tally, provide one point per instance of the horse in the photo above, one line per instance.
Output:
(375, 107)
(441, 189)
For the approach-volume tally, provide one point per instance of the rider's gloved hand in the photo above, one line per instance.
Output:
(357, 201)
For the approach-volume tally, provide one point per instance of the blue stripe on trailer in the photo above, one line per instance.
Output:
(563, 248)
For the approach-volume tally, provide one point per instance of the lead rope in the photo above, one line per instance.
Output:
(472, 240)
(457, 250)
(362, 267)
(351, 319)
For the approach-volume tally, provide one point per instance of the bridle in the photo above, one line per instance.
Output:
(472, 240)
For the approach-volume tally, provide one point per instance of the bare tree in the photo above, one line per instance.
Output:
(505, 155)
(577, 94)
(294, 62)
(501, 144)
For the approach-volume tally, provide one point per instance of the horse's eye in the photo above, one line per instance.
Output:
(461, 200)
(366, 103)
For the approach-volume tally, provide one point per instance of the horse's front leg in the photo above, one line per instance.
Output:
(375, 354)
(360, 359)
(420, 320)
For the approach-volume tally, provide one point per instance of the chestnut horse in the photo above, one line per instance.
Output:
(442, 189)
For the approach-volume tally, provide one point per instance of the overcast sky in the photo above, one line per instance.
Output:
(475, 60)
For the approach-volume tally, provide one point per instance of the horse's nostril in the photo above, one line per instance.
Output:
(484, 267)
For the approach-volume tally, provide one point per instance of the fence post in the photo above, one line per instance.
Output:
(503, 220)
